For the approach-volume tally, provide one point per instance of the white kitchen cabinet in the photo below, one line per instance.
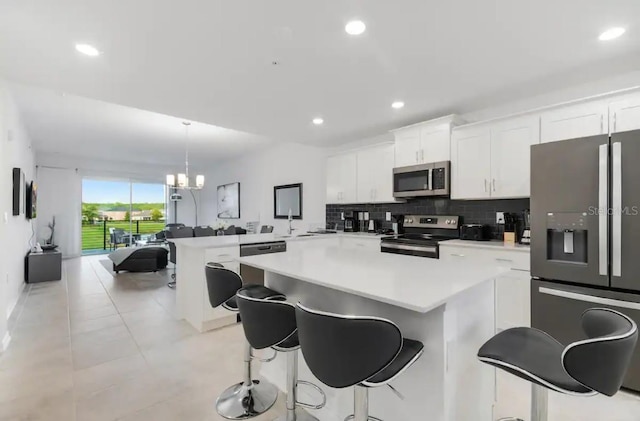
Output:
(513, 295)
(375, 174)
(471, 163)
(511, 142)
(624, 113)
(425, 142)
(407, 150)
(341, 178)
(575, 121)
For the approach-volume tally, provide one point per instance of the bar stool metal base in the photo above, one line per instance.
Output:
(539, 404)
(361, 405)
(240, 402)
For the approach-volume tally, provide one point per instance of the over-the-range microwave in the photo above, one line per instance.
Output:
(422, 180)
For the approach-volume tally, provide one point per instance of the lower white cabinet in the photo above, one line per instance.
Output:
(513, 295)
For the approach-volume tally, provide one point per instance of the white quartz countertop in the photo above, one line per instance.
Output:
(236, 240)
(415, 283)
(487, 245)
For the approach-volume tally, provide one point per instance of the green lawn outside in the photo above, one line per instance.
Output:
(93, 235)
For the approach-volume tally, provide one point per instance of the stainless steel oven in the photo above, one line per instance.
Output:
(422, 180)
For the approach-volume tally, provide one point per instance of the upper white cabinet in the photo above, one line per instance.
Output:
(408, 149)
(574, 121)
(362, 176)
(424, 142)
(375, 174)
(624, 114)
(341, 178)
(471, 163)
(492, 160)
(511, 142)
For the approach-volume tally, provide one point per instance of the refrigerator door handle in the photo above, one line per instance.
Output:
(589, 298)
(603, 210)
(616, 196)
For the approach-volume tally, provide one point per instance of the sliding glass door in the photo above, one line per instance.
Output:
(120, 213)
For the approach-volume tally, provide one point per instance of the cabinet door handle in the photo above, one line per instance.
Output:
(615, 121)
(417, 157)
(601, 123)
(422, 154)
(485, 185)
(457, 255)
(499, 259)
(494, 184)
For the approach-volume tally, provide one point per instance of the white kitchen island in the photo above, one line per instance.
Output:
(192, 299)
(448, 306)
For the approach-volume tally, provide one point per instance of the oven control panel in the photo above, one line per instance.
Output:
(432, 221)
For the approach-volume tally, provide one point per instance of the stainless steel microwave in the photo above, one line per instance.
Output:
(432, 179)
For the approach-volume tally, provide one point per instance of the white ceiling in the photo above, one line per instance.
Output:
(68, 124)
(210, 60)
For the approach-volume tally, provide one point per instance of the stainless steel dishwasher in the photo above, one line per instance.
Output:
(251, 275)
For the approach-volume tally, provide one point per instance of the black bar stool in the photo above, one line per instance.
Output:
(597, 364)
(248, 398)
(269, 323)
(343, 351)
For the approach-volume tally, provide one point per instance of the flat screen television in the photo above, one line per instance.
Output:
(32, 200)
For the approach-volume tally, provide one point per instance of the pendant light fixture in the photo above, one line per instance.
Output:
(181, 180)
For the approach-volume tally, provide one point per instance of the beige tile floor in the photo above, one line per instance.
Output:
(99, 347)
(96, 347)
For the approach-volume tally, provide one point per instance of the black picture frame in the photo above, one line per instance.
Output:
(294, 215)
(19, 188)
(32, 200)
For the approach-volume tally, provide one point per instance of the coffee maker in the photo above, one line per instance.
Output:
(351, 221)
(525, 238)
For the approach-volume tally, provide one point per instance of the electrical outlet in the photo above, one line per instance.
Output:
(388, 216)
(500, 218)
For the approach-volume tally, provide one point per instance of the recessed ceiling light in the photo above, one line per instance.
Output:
(88, 50)
(318, 121)
(611, 33)
(355, 27)
(397, 105)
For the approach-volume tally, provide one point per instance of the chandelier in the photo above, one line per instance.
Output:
(181, 181)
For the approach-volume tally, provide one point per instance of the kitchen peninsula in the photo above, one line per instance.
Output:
(449, 306)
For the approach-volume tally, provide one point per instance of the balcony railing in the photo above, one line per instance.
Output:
(96, 235)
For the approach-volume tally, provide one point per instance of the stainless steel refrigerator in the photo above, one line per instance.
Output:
(585, 233)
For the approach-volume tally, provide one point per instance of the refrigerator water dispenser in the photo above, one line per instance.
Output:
(567, 237)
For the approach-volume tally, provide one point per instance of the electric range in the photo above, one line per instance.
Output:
(422, 234)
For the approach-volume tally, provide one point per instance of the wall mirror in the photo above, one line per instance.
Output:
(287, 199)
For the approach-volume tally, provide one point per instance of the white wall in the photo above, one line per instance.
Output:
(15, 231)
(258, 173)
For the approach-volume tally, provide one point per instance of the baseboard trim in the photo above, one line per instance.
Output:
(13, 305)
(5, 342)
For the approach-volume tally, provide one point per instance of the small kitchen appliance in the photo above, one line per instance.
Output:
(351, 222)
(475, 232)
(422, 234)
(422, 180)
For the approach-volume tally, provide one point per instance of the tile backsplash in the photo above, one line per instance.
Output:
(472, 211)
